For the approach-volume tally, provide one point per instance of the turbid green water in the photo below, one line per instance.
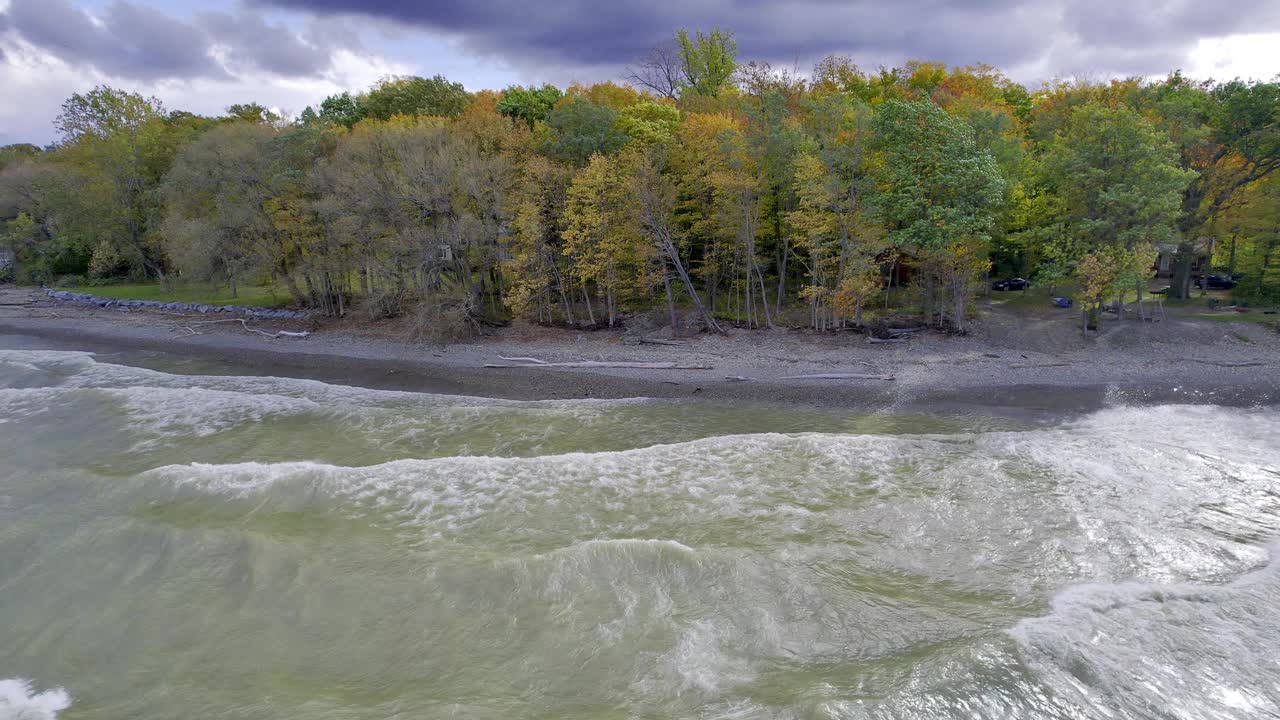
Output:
(217, 546)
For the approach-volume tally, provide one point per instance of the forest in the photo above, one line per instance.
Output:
(709, 191)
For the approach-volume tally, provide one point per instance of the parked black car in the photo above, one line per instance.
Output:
(1010, 284)
(1216, 282)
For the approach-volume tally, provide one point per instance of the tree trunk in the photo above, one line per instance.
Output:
(294, 291)
(564, 297)
(1180, 286)
(764, 298)
(782, 276)
(674, 256)
(959, 297)
(591, 315)
(671, 303)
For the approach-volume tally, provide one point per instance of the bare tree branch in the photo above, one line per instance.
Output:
(658, 71)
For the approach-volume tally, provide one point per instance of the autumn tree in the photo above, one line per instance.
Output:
(600, 236)
(832, 219)
(654, 196)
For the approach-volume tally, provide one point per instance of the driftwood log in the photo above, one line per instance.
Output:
(837, 376)
(277, 334)
(1247, 363)
(514, 362)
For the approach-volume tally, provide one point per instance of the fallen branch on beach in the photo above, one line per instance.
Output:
(660, 341)
(1023, 366)
(1247, 363)
(535, 362)
(277, 334)
(904, 331)
(837, 376)
(875, 340)
(737, 378)
(598, 364)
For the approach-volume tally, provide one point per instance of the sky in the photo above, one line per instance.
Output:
(203, 55)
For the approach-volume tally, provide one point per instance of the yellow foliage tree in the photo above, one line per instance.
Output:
(601, 239)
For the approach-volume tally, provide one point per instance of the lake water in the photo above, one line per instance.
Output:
(185, 545)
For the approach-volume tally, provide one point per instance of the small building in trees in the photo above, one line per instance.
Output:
(1201, 261)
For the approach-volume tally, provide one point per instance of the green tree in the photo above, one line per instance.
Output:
(1110, 187)
(344, 109)
(530, 104)
(579, 129)
(104, 112)
(252, 113)
(414, 96)
(650, 123)
(707, 61)
(117, 147)
(938, 193)
(217, 193)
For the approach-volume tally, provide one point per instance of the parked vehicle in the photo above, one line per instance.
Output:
(1216, 282)
(1062, 302)
(1010, 284)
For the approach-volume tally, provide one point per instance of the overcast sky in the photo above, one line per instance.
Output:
(203, 55)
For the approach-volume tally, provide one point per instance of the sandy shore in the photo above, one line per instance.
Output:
(1020, 361)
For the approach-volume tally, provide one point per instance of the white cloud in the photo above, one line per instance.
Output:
(1248, 56)
(37, 82)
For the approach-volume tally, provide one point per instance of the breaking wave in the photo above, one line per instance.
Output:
(19, 701)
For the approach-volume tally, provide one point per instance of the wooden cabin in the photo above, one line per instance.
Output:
(1201, 264)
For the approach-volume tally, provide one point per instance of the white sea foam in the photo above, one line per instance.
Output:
(949, 497)
(19, 701)
(19, 403)
(200, 412)
(81, 369)
(1207, 650)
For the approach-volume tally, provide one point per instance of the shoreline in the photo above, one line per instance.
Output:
(1029, 372)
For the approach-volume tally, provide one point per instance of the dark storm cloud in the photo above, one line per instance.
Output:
(140, 42)
(1068, 35)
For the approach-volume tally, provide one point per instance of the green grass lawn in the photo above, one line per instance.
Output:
(1253, 316)
(252, 296)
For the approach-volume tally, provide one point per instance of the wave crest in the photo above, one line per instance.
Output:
(18, 701)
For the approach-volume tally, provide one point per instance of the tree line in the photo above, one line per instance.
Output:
(728, 192)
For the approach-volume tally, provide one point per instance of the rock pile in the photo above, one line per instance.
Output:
(87, 299)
